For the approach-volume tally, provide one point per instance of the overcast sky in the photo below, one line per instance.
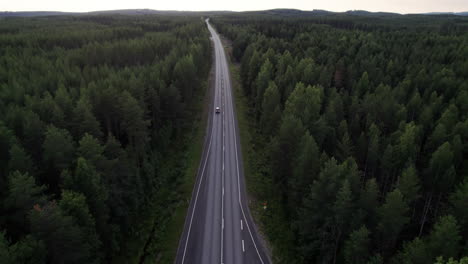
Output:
(399, 6)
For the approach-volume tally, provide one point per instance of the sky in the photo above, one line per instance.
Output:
(398, 6)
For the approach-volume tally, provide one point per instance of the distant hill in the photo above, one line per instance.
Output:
(448, 13)
(35, 13)
(154, 12)
(367, 13)
(110, 12)
(279, 12)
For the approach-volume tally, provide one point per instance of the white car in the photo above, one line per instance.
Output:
(217, 110)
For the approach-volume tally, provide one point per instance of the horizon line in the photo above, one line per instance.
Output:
(233, 11)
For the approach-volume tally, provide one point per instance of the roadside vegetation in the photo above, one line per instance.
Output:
(357, 132)
(96, 128)
(262, 203)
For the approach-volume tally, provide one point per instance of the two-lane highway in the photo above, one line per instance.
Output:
(218, 226)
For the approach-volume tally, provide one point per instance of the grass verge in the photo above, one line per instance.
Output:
(175, 227)
(155, 239)
(163, 247)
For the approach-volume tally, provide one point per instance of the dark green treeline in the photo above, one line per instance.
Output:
(363, 123)
(89, 106)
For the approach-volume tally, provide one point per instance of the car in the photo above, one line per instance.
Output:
(217, 110)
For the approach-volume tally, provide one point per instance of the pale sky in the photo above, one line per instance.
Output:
(399, 6)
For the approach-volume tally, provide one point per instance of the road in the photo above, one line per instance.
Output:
(218, 226)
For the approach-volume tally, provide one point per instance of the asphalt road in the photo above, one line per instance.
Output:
(218, 226)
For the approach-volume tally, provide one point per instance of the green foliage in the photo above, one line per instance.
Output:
(463, 260)
(28, 250)
(263, 79)
(59, 149)
(84, 120)
(305, 171)
(459, 200)
(63, 238)
(382, 94)
(20, 160)
(89, 106)
(444, 240)
(357, 246)
(369, 202)
(409, 185)
(74, 205)
(304, 103)
(415, 251)
(393, 218)
(23, 194)
(4, 250)
(185, 76)
(90, 149)
(271, 112)
(331, 195)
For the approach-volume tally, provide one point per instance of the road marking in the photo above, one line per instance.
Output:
(222, 176)
(242, 226)
(199, 185)
(238, 176)
(221, 65)
(222, 224)
(196, 196)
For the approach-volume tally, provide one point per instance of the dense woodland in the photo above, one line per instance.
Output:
(361, 126)
(89, 108)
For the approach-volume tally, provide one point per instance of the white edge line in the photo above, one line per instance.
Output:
(198, 190)
(196, 197)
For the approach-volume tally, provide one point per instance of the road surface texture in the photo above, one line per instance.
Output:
(218, 226)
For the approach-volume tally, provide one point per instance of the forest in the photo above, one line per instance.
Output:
(360, 133)
(90, 106)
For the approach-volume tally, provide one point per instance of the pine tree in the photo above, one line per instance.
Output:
(290, 134)
(444, 239)
(414, 252)
(305, 170)
(4, 250)
(363, 85)
(458, 201)
(28, 250)
(20, 160)
(185, 75)
(342, 209)
(409, 185)
(393, 218)
(369, 201)
(134, 124)
(90, 149)
(64, 240)
(357, 246)
(265, 75)
(84, 120)
(305, 103)
(74, 205)
(408, 145)
(23, 194)
(58, 148)
(271, 101)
